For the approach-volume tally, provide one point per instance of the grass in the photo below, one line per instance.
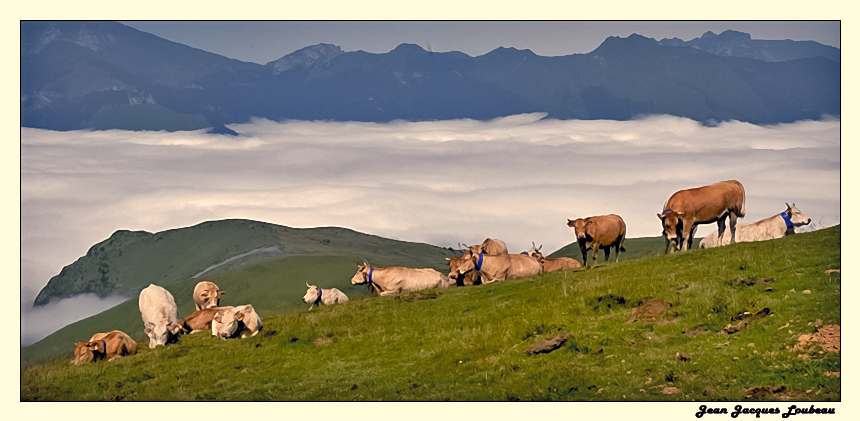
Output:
(469, 343)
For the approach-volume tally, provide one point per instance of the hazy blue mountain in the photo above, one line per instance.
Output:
(104, 75)
(739, 44)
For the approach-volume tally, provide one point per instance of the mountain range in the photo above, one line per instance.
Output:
(104, 75)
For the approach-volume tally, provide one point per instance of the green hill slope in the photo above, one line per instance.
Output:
(129, 261)
(470, 343)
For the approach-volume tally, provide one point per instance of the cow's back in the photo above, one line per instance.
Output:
(607, 229)
(522, 265)
(151, 302)
(408, 279)
(709, 202)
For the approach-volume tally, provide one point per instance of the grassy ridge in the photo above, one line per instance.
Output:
(469, 343)
(129, 261)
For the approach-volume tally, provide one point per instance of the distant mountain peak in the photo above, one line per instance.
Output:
(85, 34)
(306, 57)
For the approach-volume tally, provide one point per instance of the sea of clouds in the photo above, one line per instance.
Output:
(517, 178)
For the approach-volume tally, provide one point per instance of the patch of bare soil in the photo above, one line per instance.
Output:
(748, 282)
(322, 341)
(827, 336)
(779, 392)
(651, 309)
(549, 345)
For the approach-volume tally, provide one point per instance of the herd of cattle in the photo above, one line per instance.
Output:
(482, 263)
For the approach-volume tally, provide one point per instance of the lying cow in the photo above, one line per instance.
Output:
(461, 279)
(497, 267)
(159, 314)
(686, 209)
(553, 264)
(397, 279)
(236, 322)
(599, 232)
(112, 345)
(200, 320)
(207, 295)
(317, 295)
(776, 226)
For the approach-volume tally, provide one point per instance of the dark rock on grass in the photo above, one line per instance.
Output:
(549, 345)
(746, 314)
(416, 297)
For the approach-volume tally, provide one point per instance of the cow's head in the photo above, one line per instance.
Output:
(312, 295)
(797, 218)
(229, 320)
(673, 226)
(580, 227)
(467, 262)
(535, 253)
(210, 295)
(163, 332)
(86, 352)
(360, 276)
(453, 275)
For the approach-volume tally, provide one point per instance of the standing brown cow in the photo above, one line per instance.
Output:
(599, 232)
(686, 209)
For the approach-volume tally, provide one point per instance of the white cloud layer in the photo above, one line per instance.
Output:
(517, 178)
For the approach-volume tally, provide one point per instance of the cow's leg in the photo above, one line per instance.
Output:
(606, 253)
(617, 247)
(721, 229)
(733, 221)
(685, 235)
(692, 234)
(668, 244)
(595, 248)
(584, 254)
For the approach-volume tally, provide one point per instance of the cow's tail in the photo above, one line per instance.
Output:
(623, 250)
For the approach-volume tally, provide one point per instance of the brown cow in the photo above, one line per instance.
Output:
(599, 232)
(499, 267)
(112, 345)
(207, 295)
(686, 209)
(200, 320)
(553, 264)
(470, 278)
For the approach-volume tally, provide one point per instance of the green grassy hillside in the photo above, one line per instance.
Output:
(470, 343)
(129, 261)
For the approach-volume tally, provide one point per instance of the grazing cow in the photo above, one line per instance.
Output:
(159, 314)
(317, 295)
(499, 267)
(490, 246)
(776, 226)
(112, 345)
(200, 320)
(470, 278)
(686, 209)
(599, 232)
(207, 295)
(394, 280)
(236, 322)
(553, 264)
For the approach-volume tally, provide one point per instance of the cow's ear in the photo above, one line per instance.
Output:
(240, 317)
(223, 293)
(660, 216)
(147, 331)
(217, 317)
(681, 213)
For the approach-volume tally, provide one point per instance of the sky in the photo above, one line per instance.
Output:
(517, 178)
(262, 42)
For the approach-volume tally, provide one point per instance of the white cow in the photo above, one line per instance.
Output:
(317, 295)
(776, 226)
(159, 314)
(207, 295)
(237, 322)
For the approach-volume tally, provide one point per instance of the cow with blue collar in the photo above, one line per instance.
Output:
(497, 267)
(316, 295)
(396, 279)
(776, 226)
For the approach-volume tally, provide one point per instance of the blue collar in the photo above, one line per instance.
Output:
(319, 293)
(370, 275)
(480, 261)
(525, 253)
(787, 220)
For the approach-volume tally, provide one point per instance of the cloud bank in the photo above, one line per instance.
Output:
(517, 178)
